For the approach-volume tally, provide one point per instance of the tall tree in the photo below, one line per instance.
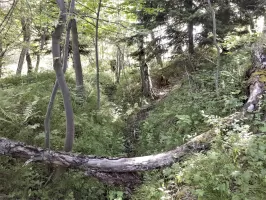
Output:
(1, 56)
(217, 47)
(69, 111)
(76, 58)
(25, 24)
(97, 54)
(146, 84)
(264, 24)
(189, 6)
(56, 37)
(42, 41)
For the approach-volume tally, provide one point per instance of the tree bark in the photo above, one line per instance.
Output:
(256, 73)
(144, 70)
(25, 23)
(190, 38)
(97, 55)
(76, 58)
(105, 164)
(2, 54)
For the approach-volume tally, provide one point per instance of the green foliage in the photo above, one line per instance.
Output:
(175, 119)
(22, 110)
(115, 195)
(31, 182)
(152, 187)
(233, 169)
(179, 117)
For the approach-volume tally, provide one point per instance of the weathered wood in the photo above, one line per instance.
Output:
(103, 164)
(257, 77)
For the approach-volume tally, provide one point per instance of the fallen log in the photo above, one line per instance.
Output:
(92, 163)
(119, 171)
(114, 171)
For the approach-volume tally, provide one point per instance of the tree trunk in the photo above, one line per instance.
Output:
(41, 48)
(252, 25)
(56, 86)
(97, 55)
(217, 74)
(1, 66)
(189, 6)
(105, 164)
(112, 170)
(157, 51)
(1, 57)
(119, 63)
(29, 63)
(21, 60)
(190, 38)
(56, 37)
(25, 23)
(264, 24)
(76, 59)
(144, 71)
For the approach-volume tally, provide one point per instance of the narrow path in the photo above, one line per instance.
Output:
(134, 122)
(133, 129)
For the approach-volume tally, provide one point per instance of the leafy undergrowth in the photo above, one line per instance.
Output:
(22, 109)
(179, 116)
(235, 166)
(233, 169)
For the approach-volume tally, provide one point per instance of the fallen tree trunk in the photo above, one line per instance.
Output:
(103, 164)
(116, 171)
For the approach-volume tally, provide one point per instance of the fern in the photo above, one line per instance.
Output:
(9, 117)
(28, 111)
